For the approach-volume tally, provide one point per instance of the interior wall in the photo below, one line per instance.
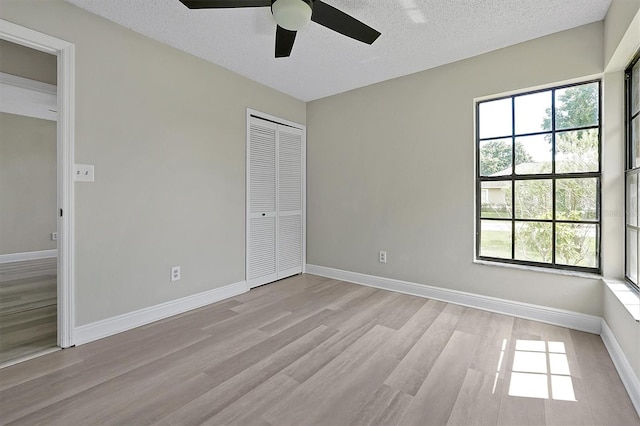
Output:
(27, 184)
(623, 30)
(166, 133)
(391, 167)
(28, 63)
(617, 21)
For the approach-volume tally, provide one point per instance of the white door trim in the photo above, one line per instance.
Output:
(65, 52)
(277, 120)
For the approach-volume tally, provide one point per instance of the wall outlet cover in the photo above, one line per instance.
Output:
(175, 273)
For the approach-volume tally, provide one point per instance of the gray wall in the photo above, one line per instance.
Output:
(619, 16)
(27, 184)
(622, 42)
(391, 167)
(28, 63)
(166, 133)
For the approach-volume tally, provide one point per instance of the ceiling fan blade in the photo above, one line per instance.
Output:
(284, 42)
(336, 20)
(224, 4)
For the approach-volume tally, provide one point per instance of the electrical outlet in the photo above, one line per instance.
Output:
(175, 273)
(54, 236)
(382, 257)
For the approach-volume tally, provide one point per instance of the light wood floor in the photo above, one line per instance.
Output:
(28, 308)
(314, 351)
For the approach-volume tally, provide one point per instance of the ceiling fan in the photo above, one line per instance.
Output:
(292, 15)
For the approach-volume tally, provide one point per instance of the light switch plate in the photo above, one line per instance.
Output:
(83, 173)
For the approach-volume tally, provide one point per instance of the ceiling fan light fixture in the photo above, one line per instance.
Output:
(291, 15)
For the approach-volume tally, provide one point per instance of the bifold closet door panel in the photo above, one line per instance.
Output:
(262, 203)
(290, 199)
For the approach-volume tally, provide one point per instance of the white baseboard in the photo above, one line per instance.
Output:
(569, 319)
(625, 371)
(118, 324)
(30, 255)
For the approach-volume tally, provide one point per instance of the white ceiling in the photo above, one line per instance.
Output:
(416, 35)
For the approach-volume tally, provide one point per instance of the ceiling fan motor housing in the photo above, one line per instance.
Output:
(292, 15)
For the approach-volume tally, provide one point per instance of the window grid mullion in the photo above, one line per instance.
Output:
(553, 180)
(513, 182)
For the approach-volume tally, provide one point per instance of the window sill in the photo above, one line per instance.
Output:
(629, 298)
(540, 269)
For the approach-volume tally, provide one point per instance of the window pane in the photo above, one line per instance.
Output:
(632, 200)
(495, 238)
(577, 151)
(533, 113)
(533, 154)
(632, 255)
(577, 106)
(576, 244)
(533, 241)
(495, 118)
(576, 199)
(635, 85)
(496, 157)
(634, 154)
(533, 199)
(496, 199)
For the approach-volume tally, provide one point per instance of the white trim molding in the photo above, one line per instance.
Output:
(29, 255)
(620, 361)
(120, 323)
(569, 319)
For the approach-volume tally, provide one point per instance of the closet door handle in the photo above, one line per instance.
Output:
(264, 214)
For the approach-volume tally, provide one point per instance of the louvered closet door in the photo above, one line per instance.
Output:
(262, 218)
(289, 201)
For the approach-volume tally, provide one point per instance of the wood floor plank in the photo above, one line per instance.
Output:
(578, 412)
(517, 409)
(385, 407)
(434, 401)
(609, 402)
(364, 311)
(478, 402)
(316, 351)
(491, 355)
(248, 409)
(12, 271)
(407, 336)
(416, 365)
(225, 393)
(33, 395)
(28, 308)
(347, 397)
(295, 408)
(327, 351)
(38, 367)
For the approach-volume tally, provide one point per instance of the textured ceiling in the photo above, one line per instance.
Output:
(416, 35)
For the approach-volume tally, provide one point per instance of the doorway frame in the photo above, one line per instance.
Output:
(65, 53)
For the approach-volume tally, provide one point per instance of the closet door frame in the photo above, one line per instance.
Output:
(280, 121)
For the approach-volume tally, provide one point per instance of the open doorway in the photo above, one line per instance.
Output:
(28, 201)
(51, 265)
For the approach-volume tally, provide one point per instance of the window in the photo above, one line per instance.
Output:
(632, 173)
(538, 178)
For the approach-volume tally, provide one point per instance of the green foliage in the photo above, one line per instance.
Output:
(495, 156)
(576, 106)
